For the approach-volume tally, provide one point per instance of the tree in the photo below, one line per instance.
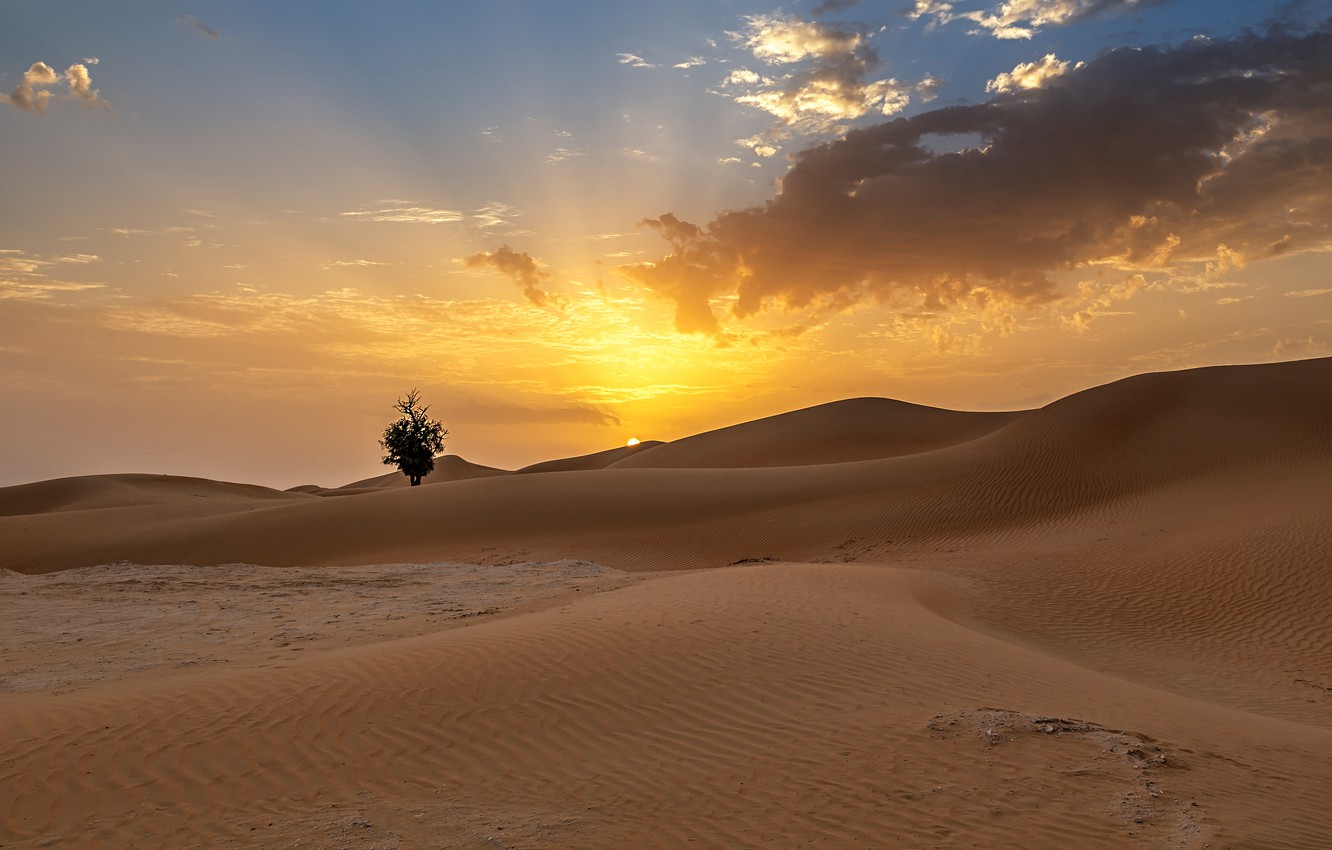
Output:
(413, 441)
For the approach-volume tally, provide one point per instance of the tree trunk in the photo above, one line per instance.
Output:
(416, 480)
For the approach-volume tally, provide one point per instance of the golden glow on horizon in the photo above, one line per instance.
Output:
(274, 305)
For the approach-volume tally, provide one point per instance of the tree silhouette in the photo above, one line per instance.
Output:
(413, 441)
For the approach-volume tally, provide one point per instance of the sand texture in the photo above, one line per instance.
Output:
(1105, 623)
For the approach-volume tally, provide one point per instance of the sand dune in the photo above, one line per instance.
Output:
(596, 460)
(854, 429)
(98, 492)
(1150, 437)
(759, 706)
(447, 468)
(1104, 623)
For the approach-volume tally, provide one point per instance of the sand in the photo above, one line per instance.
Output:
(1103, 623)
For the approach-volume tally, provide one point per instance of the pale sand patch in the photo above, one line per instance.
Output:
(77, 628)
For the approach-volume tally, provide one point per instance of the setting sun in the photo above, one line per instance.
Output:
(633, 441)
(684, 244)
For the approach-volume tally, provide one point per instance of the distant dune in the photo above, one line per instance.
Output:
(841, 431)
(447, 468)
(1134, 439)
(1104, 623)
(96, 492)
(596, 460)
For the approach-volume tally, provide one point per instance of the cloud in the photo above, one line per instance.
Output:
(830, 87)
(561, 154)
(339, 264)
(139, 231)
(928, 88)
(1021, 19)
(41, 290)
(1308, 293)
(937, 10)
(781, 40)
(640, 154)
(405, 212)
(519, 266)
(633, 61)
(510, 413)
(494, 215)
(743, 77)
(1095, 298)
(14, 261)
(24, 277)
(33, 93)
(1139, 159)
(1299, 348)
(192, 23)
(760, 146)
(833, 6)
(691, 62)
(80, 84)
(1029, 75)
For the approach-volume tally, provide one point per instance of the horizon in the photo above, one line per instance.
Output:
(243, 232)
(631, 443)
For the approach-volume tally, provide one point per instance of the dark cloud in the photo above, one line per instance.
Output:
(1142, 156)
(833, 6)
(192, 23)
(519, 266)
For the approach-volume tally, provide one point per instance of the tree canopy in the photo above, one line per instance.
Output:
(412, 442)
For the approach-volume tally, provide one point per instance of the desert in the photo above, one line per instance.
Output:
(1104, 622)
(589, 425)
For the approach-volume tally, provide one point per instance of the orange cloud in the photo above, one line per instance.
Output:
(405, 212)
(519, 266)
(1143, 156)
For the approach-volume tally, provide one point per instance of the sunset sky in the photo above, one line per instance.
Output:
(232, 234)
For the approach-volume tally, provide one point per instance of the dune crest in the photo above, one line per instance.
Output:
(595, 460)
(447, 468)
(96, 492)
(836, 432)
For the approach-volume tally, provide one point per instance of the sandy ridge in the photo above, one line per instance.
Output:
(1088, 453)
(767, 702)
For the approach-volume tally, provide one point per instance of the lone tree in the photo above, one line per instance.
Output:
(413, 441)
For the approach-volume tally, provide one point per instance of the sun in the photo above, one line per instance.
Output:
(633, 441)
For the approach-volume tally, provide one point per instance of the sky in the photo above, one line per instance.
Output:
(233, 234)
